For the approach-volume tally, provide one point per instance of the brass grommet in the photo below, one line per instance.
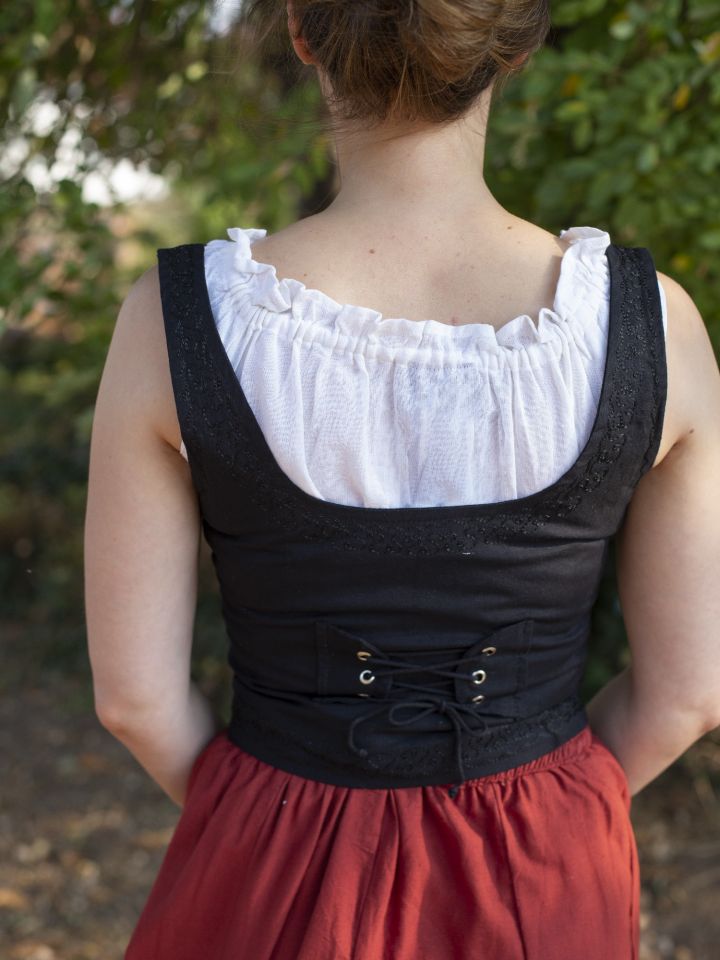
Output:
(479, 676)
(367, 676)
(363, 654)
(478, 698)
(489, 651)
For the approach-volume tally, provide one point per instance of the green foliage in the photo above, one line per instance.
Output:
(154, 86)
(615, 123)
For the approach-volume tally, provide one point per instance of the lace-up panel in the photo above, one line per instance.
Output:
(463, 687)
(345, 707)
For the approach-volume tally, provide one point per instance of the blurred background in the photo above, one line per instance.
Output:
(132, 125)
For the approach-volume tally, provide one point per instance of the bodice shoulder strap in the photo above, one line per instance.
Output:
(183, 294)
(636, 311)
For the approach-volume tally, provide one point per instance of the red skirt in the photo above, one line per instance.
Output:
(534, 863)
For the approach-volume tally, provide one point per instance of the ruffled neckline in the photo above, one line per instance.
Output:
(584, 256)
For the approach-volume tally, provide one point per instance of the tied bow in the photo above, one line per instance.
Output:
(433, 701)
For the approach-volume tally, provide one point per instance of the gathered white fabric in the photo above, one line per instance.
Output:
(373, 411)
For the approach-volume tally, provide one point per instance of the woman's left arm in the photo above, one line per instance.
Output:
(141, 543)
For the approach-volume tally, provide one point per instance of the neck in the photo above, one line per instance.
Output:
(417, 169)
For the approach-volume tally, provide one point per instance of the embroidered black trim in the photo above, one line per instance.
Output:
(654, 343)
(426, 760)
(217, 424)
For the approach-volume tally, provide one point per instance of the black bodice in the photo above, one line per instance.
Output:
(387, 647)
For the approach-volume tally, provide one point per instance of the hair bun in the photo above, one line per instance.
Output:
(414, 59)
(448, 38)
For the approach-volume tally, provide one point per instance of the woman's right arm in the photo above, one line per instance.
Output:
(668, 562)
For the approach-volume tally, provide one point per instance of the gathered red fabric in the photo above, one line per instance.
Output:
(534, 863)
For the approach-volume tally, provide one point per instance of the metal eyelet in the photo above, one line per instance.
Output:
(479, 676)
(478, 698)
(363, 654)
(489, 651)
(367, 676)
(363, 694)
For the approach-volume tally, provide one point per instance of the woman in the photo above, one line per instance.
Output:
(409, 486)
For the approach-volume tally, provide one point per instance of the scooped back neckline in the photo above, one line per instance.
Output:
(236, 398)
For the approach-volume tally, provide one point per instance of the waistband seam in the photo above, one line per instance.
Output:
(574, 748)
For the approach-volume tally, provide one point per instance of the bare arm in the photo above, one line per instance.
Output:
(142, 531)
(668, 555)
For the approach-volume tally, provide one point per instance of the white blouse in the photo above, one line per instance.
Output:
(375, 411)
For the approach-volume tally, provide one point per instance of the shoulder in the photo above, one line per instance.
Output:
(689, 323)
(693, 397)
(141, 309)
(139, 322)
(137, 365)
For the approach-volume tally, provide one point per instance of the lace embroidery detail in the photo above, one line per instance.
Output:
(207, 390)
(429, 759)
(656, 347)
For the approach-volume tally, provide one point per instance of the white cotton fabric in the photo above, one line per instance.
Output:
(366, 410)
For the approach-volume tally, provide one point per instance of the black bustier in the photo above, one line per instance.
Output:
(389, 647)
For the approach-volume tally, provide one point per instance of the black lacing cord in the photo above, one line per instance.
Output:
(432, 703)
